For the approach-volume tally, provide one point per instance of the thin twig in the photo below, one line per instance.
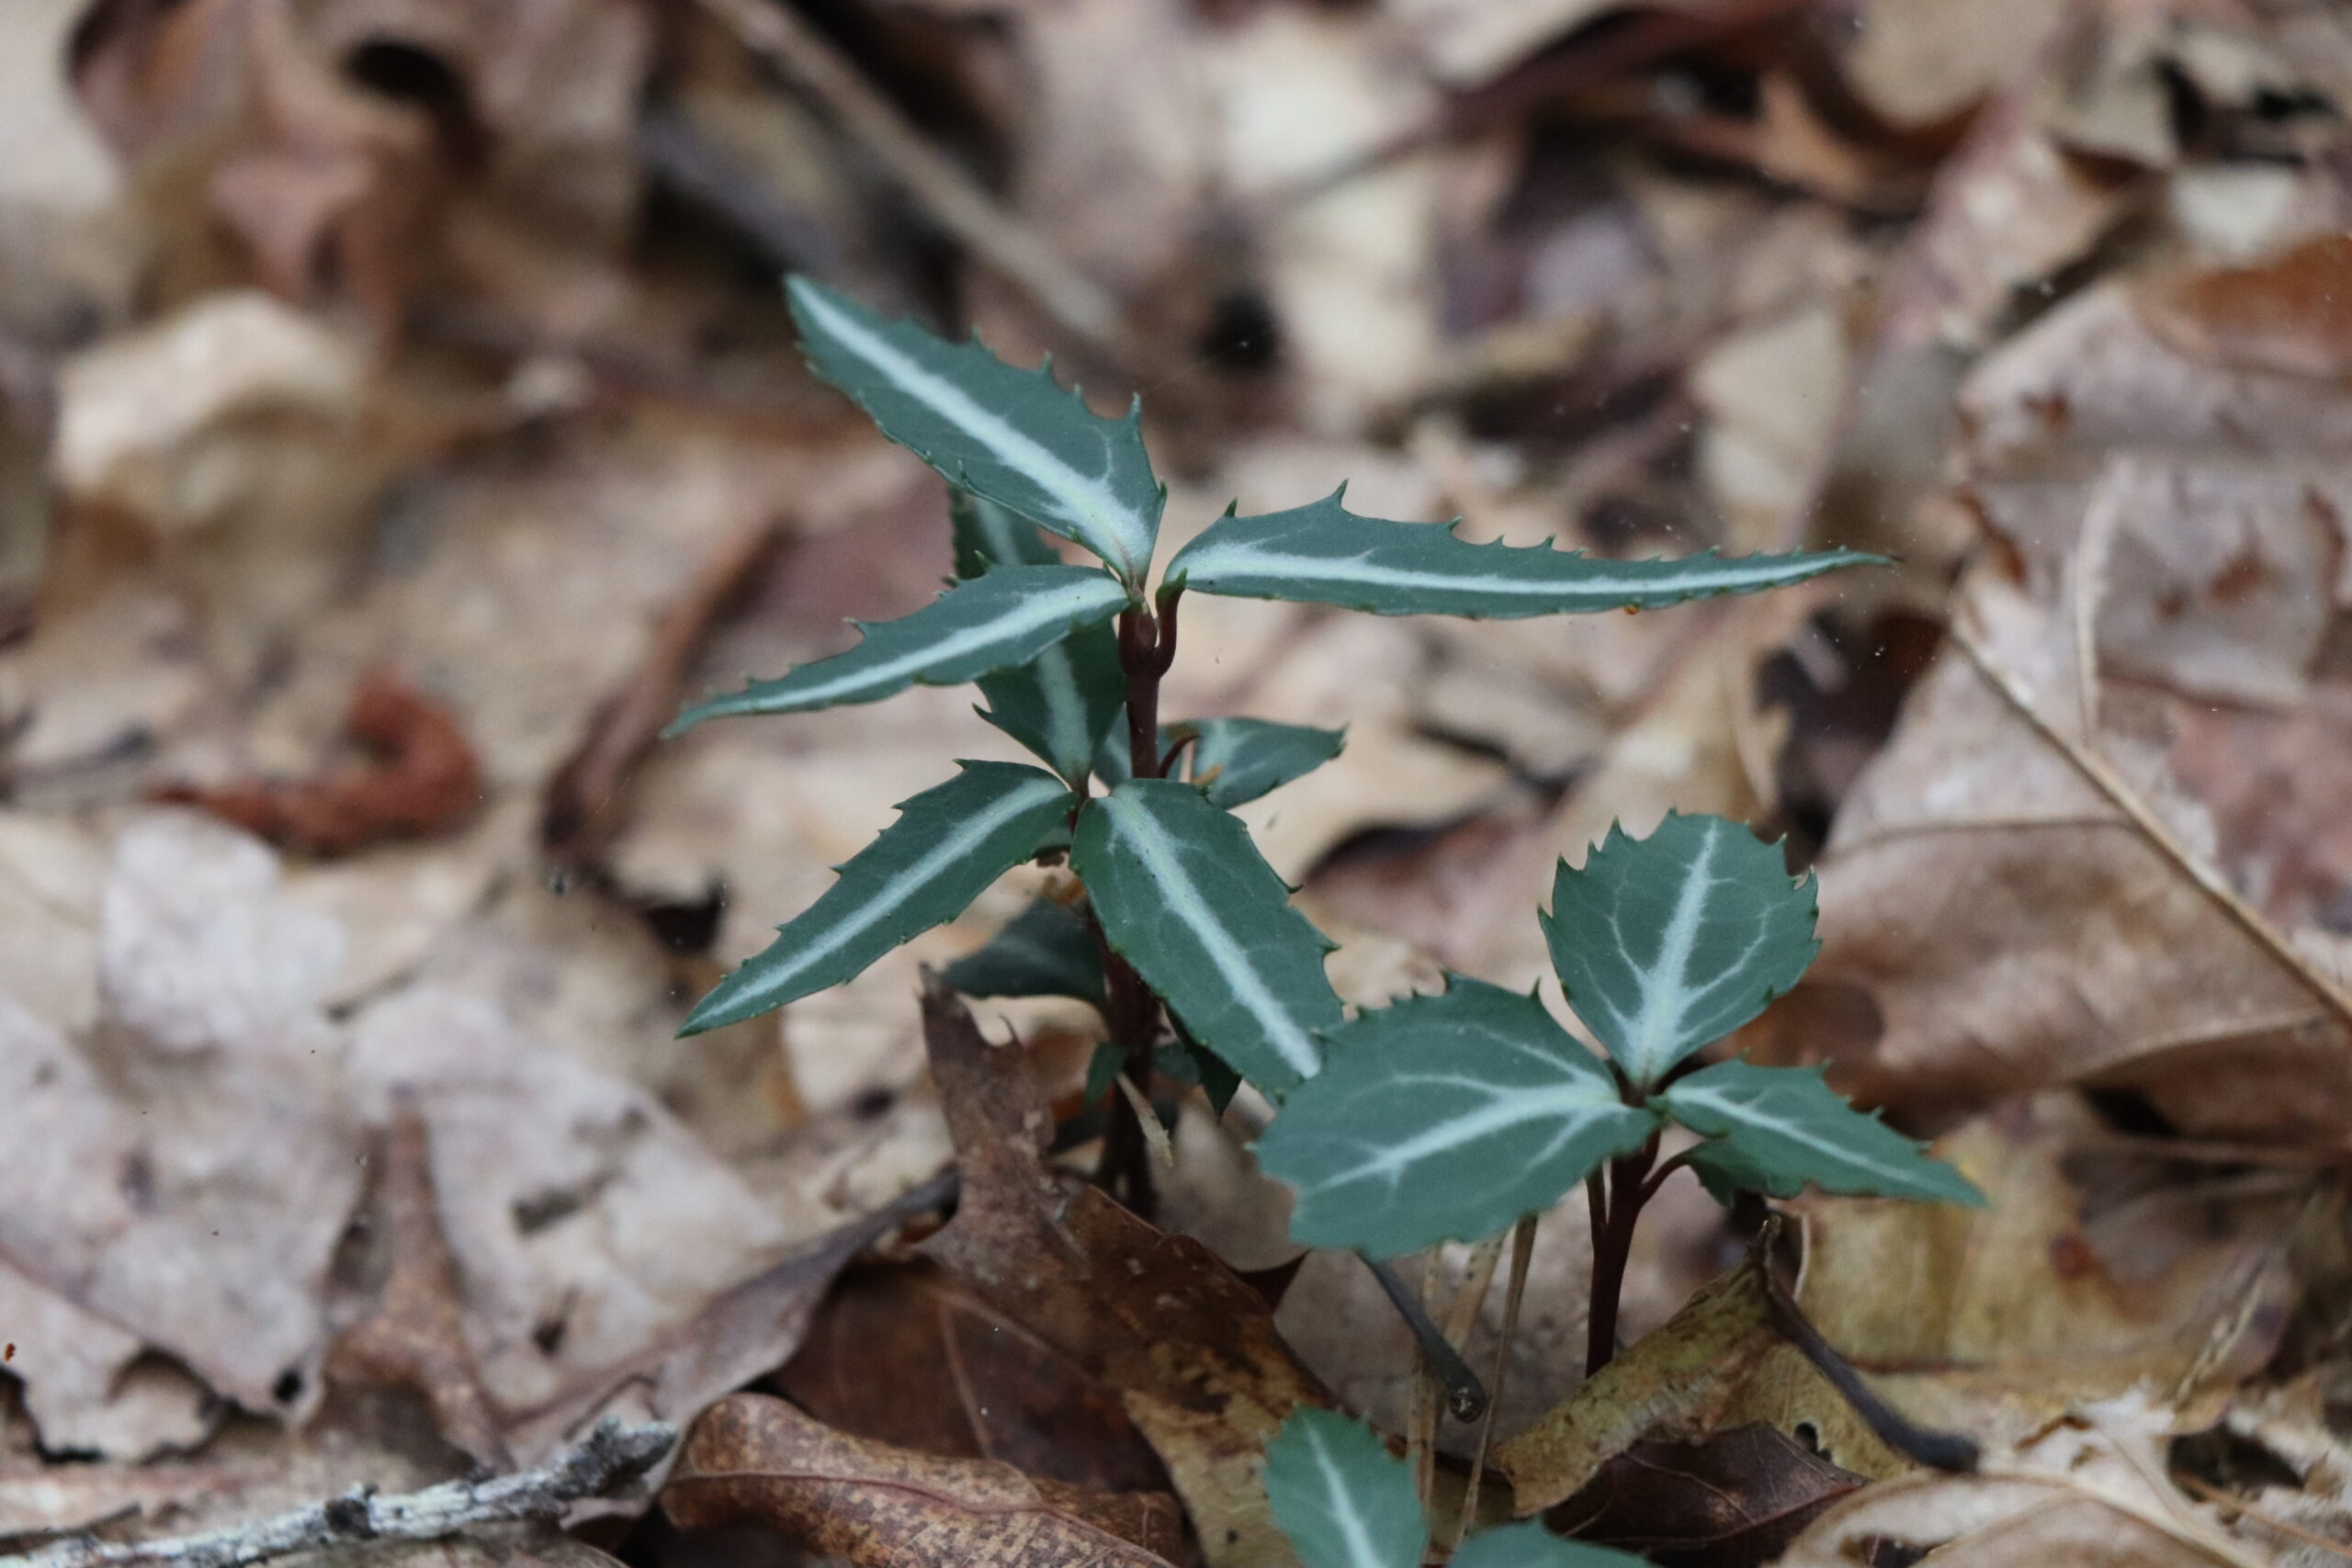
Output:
(1952, 1452)
(2237, 1505)
(612, 1457)
(1465, 1396)
(2108, 781)
(954, 199)
(1522, 1248)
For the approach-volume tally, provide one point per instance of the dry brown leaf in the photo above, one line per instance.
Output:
(2176, 523)
(900, 1354)
(2290, 313)
(586, 1223)
(70, 239)
(1998, 1321)
(234, 443)
(1733, 1501)
(415, 1339)
(1716, 1364)
(205, 1095)
(1189, 1348)
(1916, 62)
(1993, 1523)
(757, 1461)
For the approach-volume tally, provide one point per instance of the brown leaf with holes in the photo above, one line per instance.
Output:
(1733, 1501)
(425, 783)
(756, 1460)
(1190, 1348)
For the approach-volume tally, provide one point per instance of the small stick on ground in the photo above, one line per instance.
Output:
(1522, 1248)
(612, 1457)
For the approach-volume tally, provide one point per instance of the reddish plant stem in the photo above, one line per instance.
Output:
(1146, 648)
(1612, 1247)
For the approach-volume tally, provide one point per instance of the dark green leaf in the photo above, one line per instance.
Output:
(1011, 436)
(1061, 703)
(1668, 943)
(1444, 1118)
(1234, 760)
(1044, 950)
(1188, 1061)
(1344, 1500)
(996, 621)
(1184, 897)
(945, 848)
(1783, 1128)
(1324, 553)
(1102, 1070)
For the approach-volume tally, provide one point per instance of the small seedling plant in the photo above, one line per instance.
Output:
(1442, 1117)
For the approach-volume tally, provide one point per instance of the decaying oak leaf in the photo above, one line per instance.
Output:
(205, 1094)
(1999, 1321)
(587, 1224)
(1717, 1364)
(901, 1354)
(1733, 1501)
(756, 1461)
(2089, 1492)
(2052, 808)
(1188, 1345)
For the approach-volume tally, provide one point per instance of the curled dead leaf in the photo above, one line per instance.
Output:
(1188, 1345)
(423, 783)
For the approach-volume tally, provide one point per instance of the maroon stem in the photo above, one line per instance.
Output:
(1146, 648)
(1612, 1247)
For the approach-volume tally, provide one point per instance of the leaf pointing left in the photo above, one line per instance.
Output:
(756, 1461)
(1005, 618)
(926, 868)
(1011, 436)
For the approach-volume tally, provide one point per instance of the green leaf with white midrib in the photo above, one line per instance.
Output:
(1004, 619)
(1668, 943)
(948, 844)
(1185, 898)
(1061, 704)
(1529, 1545)
(1324, 553)
(1781, 1129)
(1044, 950)
(1234, 760)
(1444, 1118)
(1012, 437)
(1344, 1500)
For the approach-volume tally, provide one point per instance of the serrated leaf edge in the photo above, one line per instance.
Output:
(1094, 517)
(722, 998)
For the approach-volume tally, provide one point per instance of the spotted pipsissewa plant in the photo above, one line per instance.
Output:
(1445, 1116)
